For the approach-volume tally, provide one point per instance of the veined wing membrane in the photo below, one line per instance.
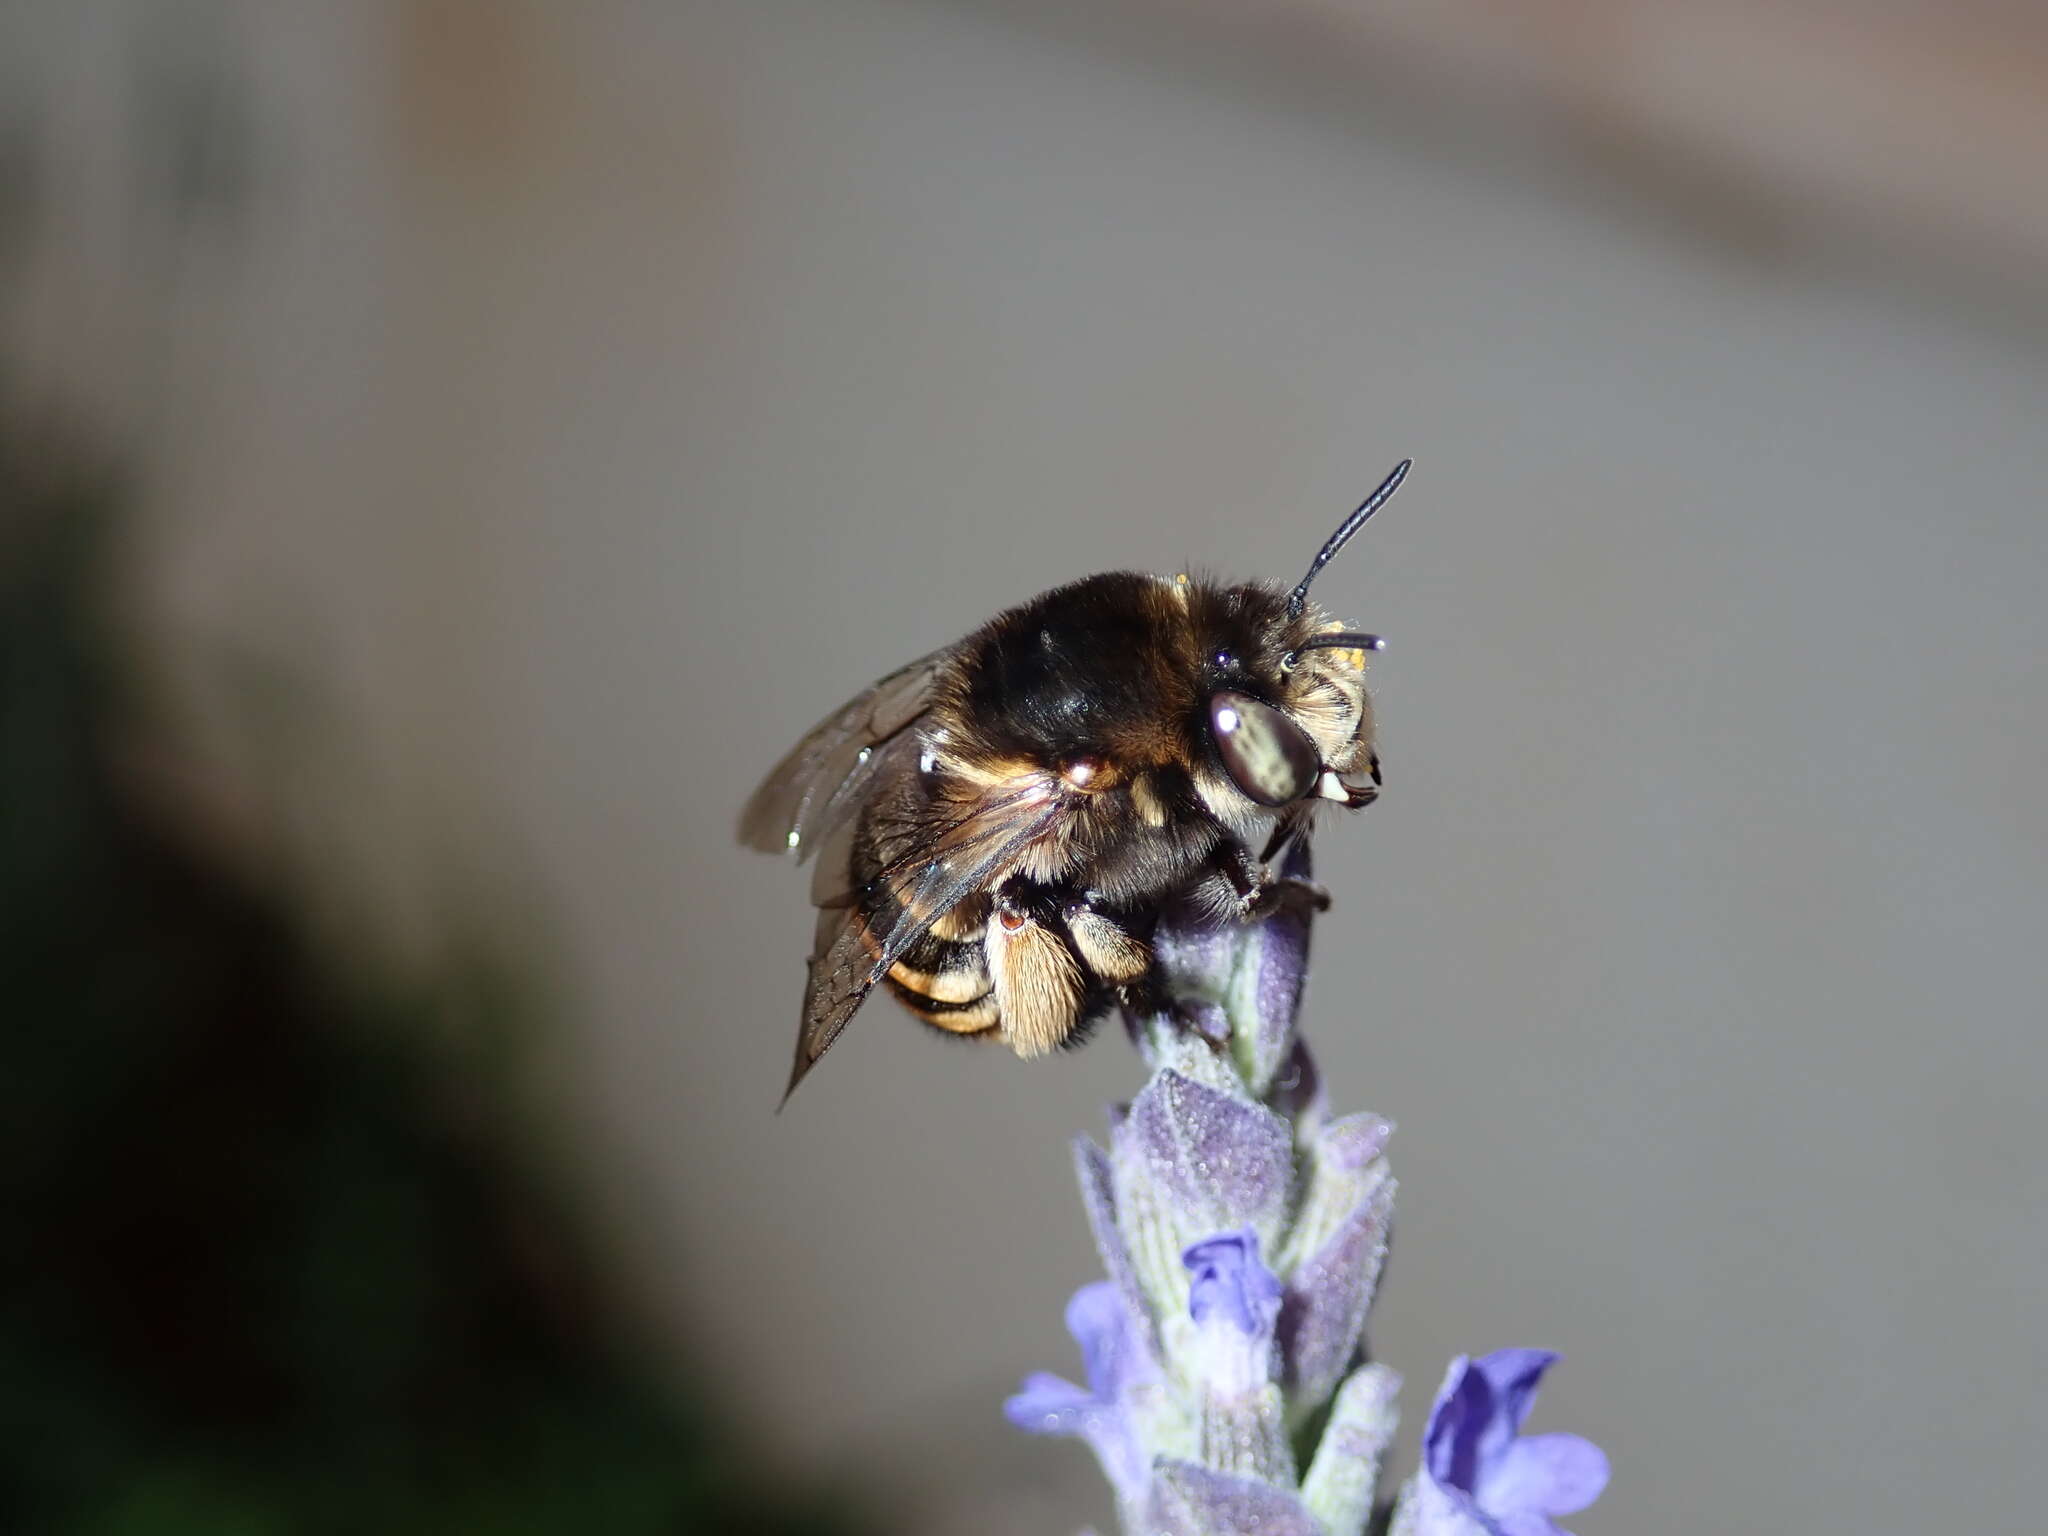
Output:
(963, 856)
(821, 777)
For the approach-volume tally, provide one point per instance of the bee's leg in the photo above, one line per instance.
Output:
(1057, 958)
(1286, 894)
(1037, 980)
(1111, 943)
(1303, 898)
(1292, 824)
(1234, 862)
(1260, 895)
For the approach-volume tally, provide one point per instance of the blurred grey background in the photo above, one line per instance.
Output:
(541, 414)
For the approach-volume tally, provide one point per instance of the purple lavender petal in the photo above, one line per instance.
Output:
(1101, 1324)
(1109, 1432)
(1514, 1375)
(1190, 1500)
(1217, 1161)
(1546, 1474)
(1463, 1410)
(1233, 1301)
(1231, 1284)
(1471, 1455)
(1329, 1296)
(1046, 1404)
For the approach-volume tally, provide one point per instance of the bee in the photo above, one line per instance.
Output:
(997, 826)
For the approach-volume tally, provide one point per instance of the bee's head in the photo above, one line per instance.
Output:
(1286, 709)
(1282, 712)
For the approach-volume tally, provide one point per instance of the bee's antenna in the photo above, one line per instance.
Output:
(1340, 640)
(1333, 640)
(1298, 599)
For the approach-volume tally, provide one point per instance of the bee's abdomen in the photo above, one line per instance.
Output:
(943, 977)
(946, 983)
(973, 1017)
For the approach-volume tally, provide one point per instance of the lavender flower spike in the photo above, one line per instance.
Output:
(1477, 1478)
(1243, 1231)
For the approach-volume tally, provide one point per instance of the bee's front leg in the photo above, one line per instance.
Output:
(1259, 894)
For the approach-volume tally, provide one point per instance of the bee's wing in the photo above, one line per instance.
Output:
(806, 794)
(959, 855)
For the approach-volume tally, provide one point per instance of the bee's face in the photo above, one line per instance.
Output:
(1280, 724)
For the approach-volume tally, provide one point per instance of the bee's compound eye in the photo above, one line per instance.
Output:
(1266, 754)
